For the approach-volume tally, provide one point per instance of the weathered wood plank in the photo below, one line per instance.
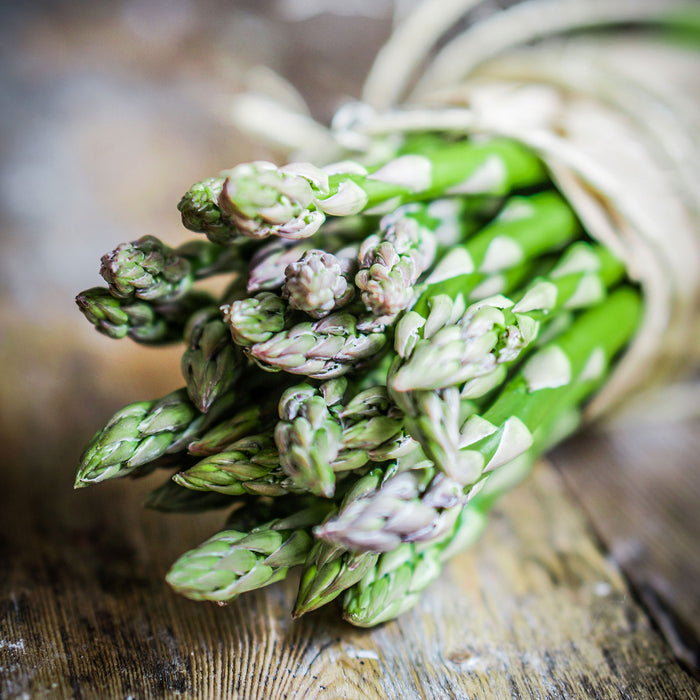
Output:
(641, 488)
(536, 610)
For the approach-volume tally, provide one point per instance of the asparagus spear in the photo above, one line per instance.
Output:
(412, 505)
(307, 438)
(146, 269)
(495, 330)
(250, 465)
(269, 263)
(201, 212)
(210, 364)
(232, 562)
(260, 200)
(322, 349)
(525, 228)
(150, 270)
(317, 284)
(249, 420)
(256, 319)
(137, 434)
(330, 569)
(392, 260)
(142, 321)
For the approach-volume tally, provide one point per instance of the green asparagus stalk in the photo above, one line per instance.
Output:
(139, 320)
(210, 364)
(373, 426)
(200, 211)
(250, 465)
(328, 572)
(256, 319)
(495, 330)
(269, 263)
(260, 200)
(137, 434)
(412, 505)
(249, 420)
(330, 569)
(307, 437)
(392, 260)
(323, 349)
(526, 227)
(146, 269)
(150, 270)
(232, 562)
(316, 284)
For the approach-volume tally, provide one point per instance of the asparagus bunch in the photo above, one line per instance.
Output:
(397, 344)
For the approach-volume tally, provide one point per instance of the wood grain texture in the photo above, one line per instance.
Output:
(641, 488)
(536, 610)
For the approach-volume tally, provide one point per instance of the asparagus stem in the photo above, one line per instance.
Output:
(329, 347)
(137, 434)
(497, 329)
(232, 562)
(146, 269)
(254, 409)
(327, 573)
(250, 465)
(261, 200)
(269, 263)
(316, 284)
(201, 212)
(392, 260)
(150, 270)
(210, 364)
(141, 321)
(255, 320)
(330, 569)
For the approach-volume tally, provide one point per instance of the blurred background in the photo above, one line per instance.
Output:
(109, 111)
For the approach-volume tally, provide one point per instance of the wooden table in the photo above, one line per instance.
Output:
(584, 585)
